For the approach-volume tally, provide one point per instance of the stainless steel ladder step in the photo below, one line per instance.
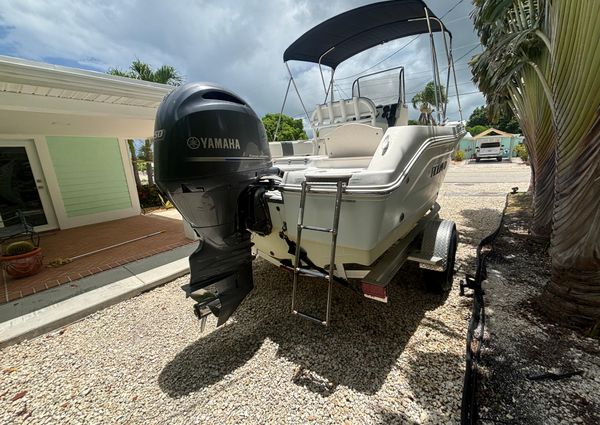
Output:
(339, 182)
(317, 229)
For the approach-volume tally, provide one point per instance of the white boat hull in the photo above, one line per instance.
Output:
(382, 203)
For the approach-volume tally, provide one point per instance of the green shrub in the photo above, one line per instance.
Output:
(458, 156)
(521, 151)
(149, 196)
(477, 129)
(18, 248)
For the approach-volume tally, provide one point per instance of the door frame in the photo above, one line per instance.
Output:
(38, 175)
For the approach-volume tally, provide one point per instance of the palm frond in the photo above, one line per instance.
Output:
(167, 74)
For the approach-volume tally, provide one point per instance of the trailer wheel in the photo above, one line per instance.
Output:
(441, 281)
(477, 159)
(499, 159)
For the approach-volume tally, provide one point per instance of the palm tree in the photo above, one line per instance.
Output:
(542, 49)
(139, 70)
(507, 75)
(136, 174)
(424, 101)
(573, 295)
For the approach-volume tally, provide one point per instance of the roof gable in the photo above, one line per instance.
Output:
(489, 131)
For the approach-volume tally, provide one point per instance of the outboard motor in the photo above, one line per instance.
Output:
(209, 147)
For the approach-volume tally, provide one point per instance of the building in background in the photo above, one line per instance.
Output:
(63, 142)
(508, 141)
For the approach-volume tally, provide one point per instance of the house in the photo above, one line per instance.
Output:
(63, 142)
(508, 142)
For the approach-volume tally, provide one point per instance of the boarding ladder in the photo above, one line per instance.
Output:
(316, 183)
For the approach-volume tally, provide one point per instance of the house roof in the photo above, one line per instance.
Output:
(489, 131)
(36, 78)
(39, 98)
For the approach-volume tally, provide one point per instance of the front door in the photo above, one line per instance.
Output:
(22, 185)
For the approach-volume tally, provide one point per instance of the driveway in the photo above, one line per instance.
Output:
(145, 361)
(489, 172)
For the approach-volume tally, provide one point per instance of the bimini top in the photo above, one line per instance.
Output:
(360, 29)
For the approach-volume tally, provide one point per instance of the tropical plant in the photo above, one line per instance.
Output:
(458, 156)
(508, 73)
(425, 102)
(477, 129)
(521, 151)
(539, 60)
(506, 122)
(165, 74)
(149, 196)
(148, 156)
(573, 295)
(134, 163)
(289, 128)
(139, 70)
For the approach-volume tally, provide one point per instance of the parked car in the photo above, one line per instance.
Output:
(488, 150)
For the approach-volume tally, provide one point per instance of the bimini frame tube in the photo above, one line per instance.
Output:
(315, 143)
(450, 58)
(281, 111)
(436, 70)
(330, 86)
(455, 83)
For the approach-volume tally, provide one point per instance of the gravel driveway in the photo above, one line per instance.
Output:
(144, 360)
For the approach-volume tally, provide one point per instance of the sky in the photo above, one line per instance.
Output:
(237, 44)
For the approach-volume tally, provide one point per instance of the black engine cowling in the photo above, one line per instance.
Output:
(209, 147)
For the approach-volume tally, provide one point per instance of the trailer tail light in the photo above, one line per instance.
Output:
(375, 292)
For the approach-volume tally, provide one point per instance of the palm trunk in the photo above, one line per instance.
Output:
(150, 173)
(535, 118)
(148, 157)
(136, 174)
(573, 295)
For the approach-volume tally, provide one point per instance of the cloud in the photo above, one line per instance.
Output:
(238, 44)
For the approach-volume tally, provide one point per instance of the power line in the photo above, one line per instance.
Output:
(457, 60)
(400, 49)
(451, 9)
(380, 62)
(459, 84)
(390, 79)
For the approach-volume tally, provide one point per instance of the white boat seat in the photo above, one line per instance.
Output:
(353, 139)
(357, 109)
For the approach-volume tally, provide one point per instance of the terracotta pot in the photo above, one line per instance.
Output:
(22, 265)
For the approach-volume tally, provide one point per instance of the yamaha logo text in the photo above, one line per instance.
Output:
(213, 143)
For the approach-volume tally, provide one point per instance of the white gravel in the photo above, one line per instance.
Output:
(144, 360)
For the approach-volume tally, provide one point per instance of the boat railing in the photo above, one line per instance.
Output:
(334, 113)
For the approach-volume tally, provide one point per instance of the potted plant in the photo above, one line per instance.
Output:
(21, 259)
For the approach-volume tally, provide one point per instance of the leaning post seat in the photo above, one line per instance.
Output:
(357, 109)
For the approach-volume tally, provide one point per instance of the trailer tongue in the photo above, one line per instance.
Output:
(209, 147)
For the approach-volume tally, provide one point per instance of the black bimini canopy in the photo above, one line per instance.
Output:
(360, 29)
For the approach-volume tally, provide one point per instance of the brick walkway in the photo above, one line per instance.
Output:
(72, 242)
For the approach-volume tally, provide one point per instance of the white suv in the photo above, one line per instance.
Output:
(488, 150)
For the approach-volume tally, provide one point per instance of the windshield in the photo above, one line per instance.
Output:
(383, 87)
(490, 145)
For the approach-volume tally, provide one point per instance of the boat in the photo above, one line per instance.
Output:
(355, 202)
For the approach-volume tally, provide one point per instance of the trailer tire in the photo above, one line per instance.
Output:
(441, 281)
(499, 159)
(477, 159)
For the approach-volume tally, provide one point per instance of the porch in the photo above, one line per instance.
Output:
(60, 245)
